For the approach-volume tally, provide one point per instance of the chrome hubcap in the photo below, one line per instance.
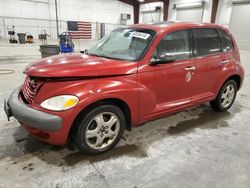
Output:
(227, 96)
(102, 130)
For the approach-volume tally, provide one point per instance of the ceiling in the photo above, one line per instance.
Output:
(134, 2)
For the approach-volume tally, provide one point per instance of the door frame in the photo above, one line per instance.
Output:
(159, 68)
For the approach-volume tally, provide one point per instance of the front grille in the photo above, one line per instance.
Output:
(30, 88)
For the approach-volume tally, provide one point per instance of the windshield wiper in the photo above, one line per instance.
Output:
(100, 55)
(97, 55)
(91, 54)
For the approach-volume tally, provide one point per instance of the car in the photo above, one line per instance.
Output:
(131, 76)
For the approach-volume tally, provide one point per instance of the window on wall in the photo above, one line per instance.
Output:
(207, 41)
(176, 44)
(227, 43)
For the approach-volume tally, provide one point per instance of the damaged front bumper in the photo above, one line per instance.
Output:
(29, 116)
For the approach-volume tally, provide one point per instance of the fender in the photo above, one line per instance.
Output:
(124, 88)
(226, 73)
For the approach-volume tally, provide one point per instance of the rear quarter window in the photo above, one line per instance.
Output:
(227, 43)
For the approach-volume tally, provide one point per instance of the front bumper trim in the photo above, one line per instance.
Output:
(29, 116)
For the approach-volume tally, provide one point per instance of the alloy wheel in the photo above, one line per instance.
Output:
(227, 96)
(102, 130)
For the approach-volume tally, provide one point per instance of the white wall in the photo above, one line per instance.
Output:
(25, 9)
(150, 7)
(207, 9)
(224, 12)
(107, 11)
(16, 12)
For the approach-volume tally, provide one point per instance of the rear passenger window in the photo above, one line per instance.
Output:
(176, 44)
(207, 41)
(227, 43)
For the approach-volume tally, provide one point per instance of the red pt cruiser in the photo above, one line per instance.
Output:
(131, 76)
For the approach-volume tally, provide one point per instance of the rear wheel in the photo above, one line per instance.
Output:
(226, 96)
(101, 129)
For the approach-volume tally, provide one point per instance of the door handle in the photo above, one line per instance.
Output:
(192, 68)
(224, 62)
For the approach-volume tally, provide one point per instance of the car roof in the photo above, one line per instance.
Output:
(165, 25)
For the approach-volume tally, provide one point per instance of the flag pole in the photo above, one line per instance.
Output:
(57, 27)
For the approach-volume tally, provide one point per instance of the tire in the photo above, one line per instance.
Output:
(225, 100)
(100, 129)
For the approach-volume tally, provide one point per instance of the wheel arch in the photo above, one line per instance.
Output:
(113, 101)
(216, 103)
(236, 78)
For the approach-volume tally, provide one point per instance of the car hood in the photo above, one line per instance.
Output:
(79, 65)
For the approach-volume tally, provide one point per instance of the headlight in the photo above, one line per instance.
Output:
(61, 102)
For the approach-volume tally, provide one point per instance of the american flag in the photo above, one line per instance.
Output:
(80, 29)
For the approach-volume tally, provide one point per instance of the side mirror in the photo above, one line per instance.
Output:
(166, 58)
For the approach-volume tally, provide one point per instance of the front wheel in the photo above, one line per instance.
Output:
(101, 129)
(226, 96)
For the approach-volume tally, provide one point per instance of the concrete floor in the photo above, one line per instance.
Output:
(194, 148)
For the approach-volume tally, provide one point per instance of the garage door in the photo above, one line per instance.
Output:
(240, 24)
(190, 14)
(151, 16)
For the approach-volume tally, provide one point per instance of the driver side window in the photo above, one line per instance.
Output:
(175, 44)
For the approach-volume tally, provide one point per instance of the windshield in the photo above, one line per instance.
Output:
(127, 44)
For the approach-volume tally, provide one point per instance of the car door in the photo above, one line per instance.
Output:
(208, 63)
(167, 86)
